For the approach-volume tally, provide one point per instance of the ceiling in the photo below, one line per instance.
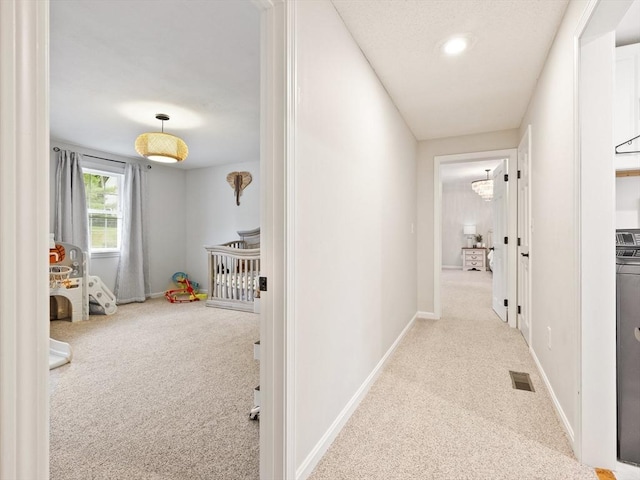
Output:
(487, 88)
(115, 65)
(628, 30)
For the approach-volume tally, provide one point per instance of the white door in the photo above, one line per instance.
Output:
(524, 237)
(500, 217)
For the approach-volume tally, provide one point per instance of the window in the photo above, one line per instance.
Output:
(103, 206)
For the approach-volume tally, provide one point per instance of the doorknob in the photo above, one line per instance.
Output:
(525, 254)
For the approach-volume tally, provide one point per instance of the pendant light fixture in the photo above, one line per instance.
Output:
(484, 187)
(160, 146)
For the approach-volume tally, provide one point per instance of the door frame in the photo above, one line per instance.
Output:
(277, 161)
(512, 166)
(595, 400)
(24, 229)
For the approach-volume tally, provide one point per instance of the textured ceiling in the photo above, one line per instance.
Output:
(114, 65)
(486, 88)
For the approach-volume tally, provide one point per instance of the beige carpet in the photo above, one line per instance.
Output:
(156, 391)
(444, 407)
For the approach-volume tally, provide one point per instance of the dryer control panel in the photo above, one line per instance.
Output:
(628, 243)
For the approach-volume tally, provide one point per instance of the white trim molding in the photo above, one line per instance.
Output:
(427, 316)
(277, 362)
(24, 232)
(594, 81)
(341, 420)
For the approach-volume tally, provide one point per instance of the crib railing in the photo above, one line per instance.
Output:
(235, 244)
(233, 276)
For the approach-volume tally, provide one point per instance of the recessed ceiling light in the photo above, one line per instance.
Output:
(455, 45)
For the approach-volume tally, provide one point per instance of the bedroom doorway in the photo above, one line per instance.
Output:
(265, 426)
(24, 420)
(445, 168)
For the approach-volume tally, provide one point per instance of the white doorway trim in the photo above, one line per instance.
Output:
(24, 232)
(277, 147)
(438, 160)
(594, 61)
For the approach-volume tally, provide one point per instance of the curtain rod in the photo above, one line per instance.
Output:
(57, 149)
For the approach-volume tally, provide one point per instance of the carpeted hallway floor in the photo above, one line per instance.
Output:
(157, 391)
(162, 391)
(444, 407)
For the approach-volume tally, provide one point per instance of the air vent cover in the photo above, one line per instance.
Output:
(521, 381)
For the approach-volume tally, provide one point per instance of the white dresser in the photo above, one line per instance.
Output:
(474, 258)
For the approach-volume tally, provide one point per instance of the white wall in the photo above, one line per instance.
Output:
(628, 202)
(167, 224)
(462, 206)
(427, 150)
(553, 215)
(355, 203)
(212, 216)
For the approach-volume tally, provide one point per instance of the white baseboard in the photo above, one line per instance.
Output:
(452, 267)
(309, 463)
(427, 316)
(556, 403)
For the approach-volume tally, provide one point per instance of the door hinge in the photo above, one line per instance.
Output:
(506, 240)
(506, 302)
(518, 241)
(519, 174)
(519, 309)
(262, 284)
(506, 177)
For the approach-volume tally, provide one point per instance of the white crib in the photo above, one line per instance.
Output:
(234, 268)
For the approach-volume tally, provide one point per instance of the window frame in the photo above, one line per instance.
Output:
(119, 175)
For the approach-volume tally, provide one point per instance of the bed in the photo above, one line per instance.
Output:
(234, 268)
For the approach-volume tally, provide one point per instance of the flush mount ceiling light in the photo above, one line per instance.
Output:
(484, 187)
(160, 146)
(455, 46)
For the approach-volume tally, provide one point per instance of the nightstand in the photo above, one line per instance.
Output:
(474, 258)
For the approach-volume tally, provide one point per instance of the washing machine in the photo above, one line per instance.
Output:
(628, 343)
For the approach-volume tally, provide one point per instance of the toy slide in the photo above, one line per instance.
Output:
(100, 294)
(59, 353)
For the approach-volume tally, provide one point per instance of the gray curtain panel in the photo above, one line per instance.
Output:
(132, 280)
(71, 224)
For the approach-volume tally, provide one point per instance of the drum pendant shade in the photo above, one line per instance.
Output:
(160, 146)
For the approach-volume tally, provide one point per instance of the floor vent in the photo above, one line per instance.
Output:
(521, 381)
